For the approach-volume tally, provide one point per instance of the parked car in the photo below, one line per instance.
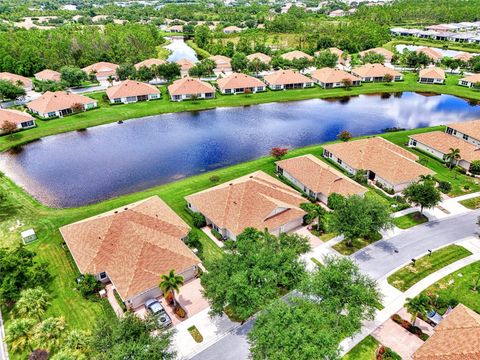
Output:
(157, 309)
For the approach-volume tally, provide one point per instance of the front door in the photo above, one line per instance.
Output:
(371, 175)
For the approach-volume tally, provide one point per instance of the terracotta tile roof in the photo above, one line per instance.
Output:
(431, 53)
(48, 75)
(282, 77)
(296, 54)
(102, 68)
(14, 78)
(387, 160)
(178, 28)
(149, 62)
(185, 64)
(255, 200)
(432, 73)
(131, 88)
(387, 54)
(336, 51)
(57, 100)
(133, 246)
(443, 142)
(232, 29)
(329, 75)
(475, 78)
(464, 56)
(189, 85)
(471, 128)
(374, 70)
(320, 177)
(457, 337)
(238, 80)
(222, 62)
(260, 56)
(14, 116)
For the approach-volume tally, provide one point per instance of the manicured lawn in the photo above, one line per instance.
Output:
(357, 244)
(364, 350)
(473, 203)
(408, 276)
(410, 220)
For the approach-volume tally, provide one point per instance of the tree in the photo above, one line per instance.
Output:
(170, 284)
(388, 78)
(453, 157)
(347, 83)
(50, 333)
(344, 135)
(334, 200)
(239, 62)
(72, 76)
(301, 63)
(88, 285)
(423, 194)
(8, 127)
(145, 74)
(256, 66)
(20, 335)
(33, 303)
(475, 167)
(77, 107)
(168, 71)
(372, 57)
(202, 36)
(110, 80)
(419, 304)
(358, 217)
(314, 212)
(8, 90)
(417, 60)
(326, 59)
(278, 152)
(126, 71)
(203, 68)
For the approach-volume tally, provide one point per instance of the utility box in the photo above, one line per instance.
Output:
(28, 236)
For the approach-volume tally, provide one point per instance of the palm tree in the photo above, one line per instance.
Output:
(427, 178)
(171, 283)
(419, 304)
(453, 156)
(20, 335)
(50, 332)
(110, 80)
(32, 303)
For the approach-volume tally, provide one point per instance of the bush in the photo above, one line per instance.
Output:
(334, 200)
(214, 179)
(198, 220)
(193, 239)
(397, 318)
(88, 285)
(180, 312)
(119, 300)
(466, 187)
(399, 199)
(217, 234)
(460, 169)
(424, 336)
(391, 355)
(475, 167)
(444, 186)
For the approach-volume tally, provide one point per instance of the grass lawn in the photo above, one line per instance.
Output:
(357, 244)
(473, 203)
(364, 350)
(410, 220)
(409, 275)
(458, 287)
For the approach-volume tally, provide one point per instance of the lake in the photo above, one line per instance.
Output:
(180, 50)
(84, 167)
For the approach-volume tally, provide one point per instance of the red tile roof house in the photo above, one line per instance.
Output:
(18, 80)
(223, 64)
(130, 91)
(102, 70)
(466, 130)
(434, 55)
(387, 54)
(376, 73)
(431, 75)
(232, 29)
(329, 78)
(238, 83)
(470, 81)
(59, 103)
(287, 79)
(256, 200)
(131, 247)
(149, 63)
(295, 55)
(22, 119)
(317, 179)
(185, 66)
(260, 56)
(190, 88)
(388, 165)
(48, 75)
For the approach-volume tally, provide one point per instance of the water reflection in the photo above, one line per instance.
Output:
(180, 50)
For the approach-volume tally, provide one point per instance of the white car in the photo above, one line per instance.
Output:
(157, 309)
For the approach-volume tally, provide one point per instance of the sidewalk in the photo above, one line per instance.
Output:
(3, 345)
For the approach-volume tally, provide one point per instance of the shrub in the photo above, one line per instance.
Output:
(475, 167)
(444, 186)
(334, 200)
(119, 300)
(217, 234)
(391, 355)
(198, 220)
(193, 239)
(180, 312)
(460, 169)
(466, 187)
(344, 135)
(278, 152)
(424, 336)
(88, 285)
(214, 179)
(399, 199)
(397, 318)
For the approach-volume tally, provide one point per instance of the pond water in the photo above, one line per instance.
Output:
(444, 52)
(83, 167)
(180, 50)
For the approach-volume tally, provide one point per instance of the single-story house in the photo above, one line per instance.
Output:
(131, 247)
(102, 70)
(387, 54)
(376, 73)
(59, 103)
(188, 88)
(48, 75)
(470, 81)
(329, 78)
(466, 130)
(433, 54)
(130, 91)
(439, 144)
(387, 164)
(18, 80)
(232, 29)
(222, 63)
(317, 179)
(464, 56)
(259, 56)
(256, 200)
(341, 60)
(175, 28)
(337, 13)
(22, 119)
(431, 75)
(455, 338)
(287, 79)
(185, 66)
(295, 55)
(149, 63)
(240, 83)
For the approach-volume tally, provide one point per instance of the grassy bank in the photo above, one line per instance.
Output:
(410, 220)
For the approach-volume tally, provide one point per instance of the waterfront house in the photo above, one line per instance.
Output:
(387, 54)
(466, 130)
(185, 66)
(175, 29)
(431, 75)
(287, 79)
(329, 78)
(238, 83)
(131, 247)
(232, 29)
(317, 179)
(18, 80)
(376, 73)
(470, 81)
(130, 91)
(149, 63)
(256, 200)
(464, 56)
(432, 54)
(222, 64)
(386, 164)
(296, 55)
(259, 56)
(48, 75)
(190, 88)
(102, 70)
(21, 119)
(60, 103)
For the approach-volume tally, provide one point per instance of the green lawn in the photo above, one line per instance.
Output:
(473, 203)
(409, 275)
(357, 244)
(410, 220)
(364, 350)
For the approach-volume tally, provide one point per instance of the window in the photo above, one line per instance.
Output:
(449, 131)
(465, 137)
(131, 98)
(327, 153)
(177, 97)
(103, 275)
(117, 100)
(51, 114)
(228, 91)
(339, 161)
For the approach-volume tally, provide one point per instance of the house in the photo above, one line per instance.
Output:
(470, 81)
(175, 29)
(463, 56)
(18, 80)
(329, 78)
(102, 70)
(185, 66)
(431, 75)
(287, 79)
(455, 338)
(130, 91)
(439, 144)
(222, 63)
(337, 13)
(190, 88)
(232, 29)
(376, 73)
(387, 164)
(23, 120)
(256, 200)
(131, 247)
(466, 130)
(432, 54)
(340, 58)
(317, 179)
(240, 83)
(387, 54)
(260, 56)
(48, 75)
(60, 103)
(149, 63)
(296, 55)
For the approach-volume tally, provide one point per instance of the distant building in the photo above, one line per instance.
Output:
(48, 75)
(18, 80)
(149, 63)
(387, 54)
(432, 54)
(260, 56)
(102, 70)
(23, 120)
(295, 55)
(232, 29)
(470, 81)
(185, 66)
(222, 63)
(431, 75)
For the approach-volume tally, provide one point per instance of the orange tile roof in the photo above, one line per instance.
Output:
(296, 54)
(260, 56)
(329, 75)
(14, 78)
(14, 116)
(431, 53)
(387, 54)
(255, 200)
(432, 73)
(471, 128)
(185, 64)
(232, 28)
(238, 80)
(48, 75)
(374, 70)
(222, 63)
(320, 177)
(175, 28)
(149, 63)
(131, 88)
(475, 78)
(283, 77)
(189, 85)
(134, 245)
(102, 68)
(457, 337)
(464, 56)
(336, 51)
(389, 161)
(58, 100)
